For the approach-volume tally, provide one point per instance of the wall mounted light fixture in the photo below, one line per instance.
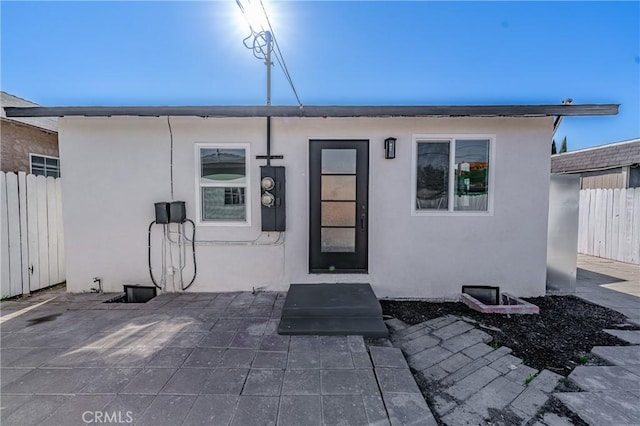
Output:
(390, 148)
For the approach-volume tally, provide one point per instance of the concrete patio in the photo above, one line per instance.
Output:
(614, 285)
(211, 359)
(216, 359)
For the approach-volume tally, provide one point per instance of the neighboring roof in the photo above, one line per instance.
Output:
(48, 123)
(321, 111)
(602, 157)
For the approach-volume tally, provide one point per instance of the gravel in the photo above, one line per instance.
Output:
(559, 338)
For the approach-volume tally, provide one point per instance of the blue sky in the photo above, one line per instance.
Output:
(338, 53)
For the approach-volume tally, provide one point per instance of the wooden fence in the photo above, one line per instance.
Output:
(31, 243)
(609, 224)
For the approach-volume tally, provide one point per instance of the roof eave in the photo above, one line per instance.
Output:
(319, 111)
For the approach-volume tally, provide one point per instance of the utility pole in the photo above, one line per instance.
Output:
(267, 35)
(268, 63)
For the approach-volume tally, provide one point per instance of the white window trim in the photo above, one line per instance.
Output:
(451, 137)
(247, 186)
(31, 155)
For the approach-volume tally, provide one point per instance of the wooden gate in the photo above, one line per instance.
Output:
(31, 237)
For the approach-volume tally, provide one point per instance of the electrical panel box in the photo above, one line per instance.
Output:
(272, 198)
(177, 212)
(162, 213)
(170, 212)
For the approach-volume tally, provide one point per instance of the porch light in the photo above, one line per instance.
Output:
(390, 148)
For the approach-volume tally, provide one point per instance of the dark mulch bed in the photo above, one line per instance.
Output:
(559, 338)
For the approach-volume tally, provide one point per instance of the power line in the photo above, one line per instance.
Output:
(280, 56)
(260, 45)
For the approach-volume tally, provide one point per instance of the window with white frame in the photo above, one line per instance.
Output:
(223, 183)
(44, 165)
(451, 174)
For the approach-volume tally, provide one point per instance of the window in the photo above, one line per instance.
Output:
(223, 183)
(44, 165)
(451, 174)
(234, 196)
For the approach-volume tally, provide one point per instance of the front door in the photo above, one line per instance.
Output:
(338, 177)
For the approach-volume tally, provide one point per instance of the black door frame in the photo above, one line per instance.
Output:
(338, 262)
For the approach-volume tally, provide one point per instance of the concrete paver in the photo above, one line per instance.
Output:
(496, 395)
(196, 359)
(546, 381)
(602, 378)
(618, 355)
(225, 381)
(270, 360)
(266, 382)
(408, 409)
(167, 410)
(375, 410)
(396, 380)
(600, 408)
(630, 336)
(301, 382)
(214, 410)
(468, 381)
(35, 411)
(300, 410)
(343, 409)
(388, 357)
(256, 411)
(472, 383)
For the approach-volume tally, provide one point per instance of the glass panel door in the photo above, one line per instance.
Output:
(338, 189)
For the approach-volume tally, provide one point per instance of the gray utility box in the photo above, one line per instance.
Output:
(170, 212)
(273, 205)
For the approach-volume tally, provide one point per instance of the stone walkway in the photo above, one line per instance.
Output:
(191, 359)
(611, 393)
(468, 381)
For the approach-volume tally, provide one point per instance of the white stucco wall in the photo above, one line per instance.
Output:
(116, 168)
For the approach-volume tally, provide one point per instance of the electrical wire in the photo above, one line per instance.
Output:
(193, 250)
(153, 280)
(280, 57)
(261, 46)
(255, 242)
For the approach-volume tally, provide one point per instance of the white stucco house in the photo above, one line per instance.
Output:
(463, 201)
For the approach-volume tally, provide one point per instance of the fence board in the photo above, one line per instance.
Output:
(33, 234)
(13, 221)
(628, 247)
(599, 225)
(24, 233)
(635, 240)
(52, 225)
(615, 225)
(623, 222)
(43, 232)
(608, 237)
(583, 221)
(5, 279)
(609, 224)
(61, 257)
(590, 219)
